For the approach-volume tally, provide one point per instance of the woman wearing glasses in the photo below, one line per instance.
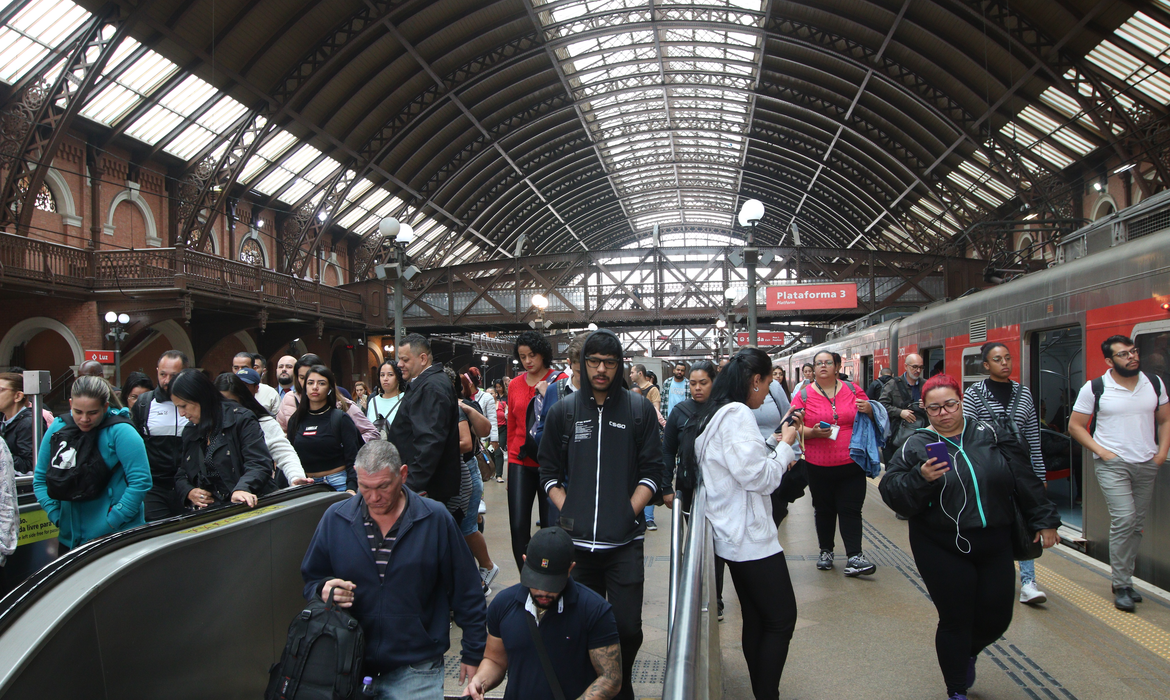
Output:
(1008, 406)
(836, 482)
(961, 515)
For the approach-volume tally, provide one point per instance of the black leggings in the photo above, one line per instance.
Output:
(837, 494)
(974, 593)
(523, 486)
(768, 606)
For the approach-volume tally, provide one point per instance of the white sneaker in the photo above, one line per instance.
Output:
(1030, 595)
(489, 575)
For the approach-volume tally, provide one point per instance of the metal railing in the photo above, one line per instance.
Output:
(693, 653)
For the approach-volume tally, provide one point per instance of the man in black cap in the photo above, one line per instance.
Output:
(574, 625)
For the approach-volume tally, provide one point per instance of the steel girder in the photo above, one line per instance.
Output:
(37, 119)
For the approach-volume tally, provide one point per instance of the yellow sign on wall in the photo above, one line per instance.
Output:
(34, 527)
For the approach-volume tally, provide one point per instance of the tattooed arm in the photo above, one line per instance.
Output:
(607, 661)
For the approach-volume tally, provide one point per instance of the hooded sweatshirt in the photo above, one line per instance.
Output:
(600, 459)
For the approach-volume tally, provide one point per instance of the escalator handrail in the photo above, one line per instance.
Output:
(29, 591)
(684, 641)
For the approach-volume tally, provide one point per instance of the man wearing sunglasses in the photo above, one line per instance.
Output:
(1129, 440)
(902, 398)
(601, 464)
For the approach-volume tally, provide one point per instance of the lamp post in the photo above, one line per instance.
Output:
(540, 303)
(483, 360)
(118, 335)
(720, 324)
(403, 236)
(750, 215)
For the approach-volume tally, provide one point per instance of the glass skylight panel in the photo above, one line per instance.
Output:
(297, 190)
(1147, 34)
(274, 180)
(1147, 78)
(32, 32)
(351, 217)
(277, 144)
(133, 84)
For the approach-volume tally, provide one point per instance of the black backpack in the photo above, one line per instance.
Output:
(322, 659)
(687, 471)
(76, 470)
(1004, 419)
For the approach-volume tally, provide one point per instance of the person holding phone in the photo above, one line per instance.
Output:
(836, 482)
(956, 481)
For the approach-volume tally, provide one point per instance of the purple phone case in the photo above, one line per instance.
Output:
(938, 451)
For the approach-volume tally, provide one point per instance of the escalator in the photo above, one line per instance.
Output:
(196, 606)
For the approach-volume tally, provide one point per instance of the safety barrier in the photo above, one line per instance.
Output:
(693, 653)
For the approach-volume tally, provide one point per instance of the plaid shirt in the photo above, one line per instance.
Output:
(664, 395)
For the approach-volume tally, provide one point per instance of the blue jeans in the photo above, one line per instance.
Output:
(337, 481)
(649, 514)
(470, 524)
(1027, 571)
(421, 681)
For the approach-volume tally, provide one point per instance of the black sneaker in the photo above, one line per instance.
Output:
(825, 561)
(720, 612)
(1123, 600)
(651, 525)
(859, 566)
(1133, 593)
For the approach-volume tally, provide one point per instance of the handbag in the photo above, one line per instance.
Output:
(1023, 546)
(545, 663)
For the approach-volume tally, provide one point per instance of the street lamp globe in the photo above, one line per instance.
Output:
(720, 324)
(540, 301)
(111, 317)
(405, 234)
(123, 319)
(483, 358)
(388, 227)
(592, 326)
(751, 212)
(731, 293)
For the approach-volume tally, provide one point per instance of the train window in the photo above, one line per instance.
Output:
(935, 359)
(1154, 349)
(973, 371)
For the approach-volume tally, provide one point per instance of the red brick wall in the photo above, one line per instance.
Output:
(48, 350)
(79, 317)
(219, 357)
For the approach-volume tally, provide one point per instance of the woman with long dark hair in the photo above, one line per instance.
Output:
(836, 482)
(96, 437)
(324, 437)
(224, 458)
(233, 388)
(741, 471)
(136, 385)
(383, 406)
(961, 514)
(1008, 406)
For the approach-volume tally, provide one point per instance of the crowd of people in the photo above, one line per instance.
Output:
(595, 445)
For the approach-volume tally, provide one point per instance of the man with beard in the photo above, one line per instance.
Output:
(265, 394)
(575, 625)
(1129, 439)
(596, 492)
(284, 374)
(158, 421)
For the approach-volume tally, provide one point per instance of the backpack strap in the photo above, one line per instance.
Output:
(1097, 386)
(549, 673)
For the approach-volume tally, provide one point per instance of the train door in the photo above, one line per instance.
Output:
(1058, 371)
(935, 361)
(866, 371)
(1153, 343)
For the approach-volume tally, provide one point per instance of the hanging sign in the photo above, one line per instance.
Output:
(765, 338)
(794, 297)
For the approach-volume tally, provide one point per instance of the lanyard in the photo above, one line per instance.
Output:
(832, 401)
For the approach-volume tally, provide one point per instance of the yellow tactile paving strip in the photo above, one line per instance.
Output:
(1134, 627)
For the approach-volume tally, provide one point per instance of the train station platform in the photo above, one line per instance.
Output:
(873, 637)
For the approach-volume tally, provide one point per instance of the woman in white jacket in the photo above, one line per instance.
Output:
(283, 455)
(740, 471)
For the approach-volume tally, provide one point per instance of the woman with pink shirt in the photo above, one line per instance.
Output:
(836, 482)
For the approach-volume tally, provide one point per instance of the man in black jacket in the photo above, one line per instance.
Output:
(158, 422)
(426, 429)
(601, 494)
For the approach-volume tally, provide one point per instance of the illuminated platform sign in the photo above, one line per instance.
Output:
(794, 297)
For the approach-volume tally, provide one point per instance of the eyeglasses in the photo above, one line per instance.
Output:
(824, 363)
(915, 366)
(1126, 354)
(595, 362)
(950, 406)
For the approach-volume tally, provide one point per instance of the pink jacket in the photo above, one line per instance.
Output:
(288, 406)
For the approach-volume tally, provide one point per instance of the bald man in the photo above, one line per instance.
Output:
(91, 368)
(902, 397)
(284, 374)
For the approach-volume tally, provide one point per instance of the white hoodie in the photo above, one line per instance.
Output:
(740, 473)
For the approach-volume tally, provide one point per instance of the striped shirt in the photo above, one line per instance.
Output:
(382, 546)
(1026, 419)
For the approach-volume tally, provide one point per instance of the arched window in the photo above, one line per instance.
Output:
(44, 201)
(251, 252)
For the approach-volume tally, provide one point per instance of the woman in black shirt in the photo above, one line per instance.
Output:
(324, 437)
(224, 458)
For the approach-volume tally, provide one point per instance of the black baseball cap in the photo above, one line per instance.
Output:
(549, 556)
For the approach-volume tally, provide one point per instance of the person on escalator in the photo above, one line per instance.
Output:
(92, 472)
(224, 458)
(235, 387)
(161, 428)
(326, 441)
(9, 512)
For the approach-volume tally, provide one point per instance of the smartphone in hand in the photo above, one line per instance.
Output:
(938, 452)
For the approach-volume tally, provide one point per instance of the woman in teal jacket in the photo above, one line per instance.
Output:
(117, 506)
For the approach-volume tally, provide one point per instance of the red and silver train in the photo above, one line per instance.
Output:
(1113, 277)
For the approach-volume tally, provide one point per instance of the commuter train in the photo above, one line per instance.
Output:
(1111, 277)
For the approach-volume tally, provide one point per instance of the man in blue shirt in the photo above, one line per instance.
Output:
(678, 389)
(575, 625)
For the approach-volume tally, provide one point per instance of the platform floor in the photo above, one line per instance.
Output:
(873, 637)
